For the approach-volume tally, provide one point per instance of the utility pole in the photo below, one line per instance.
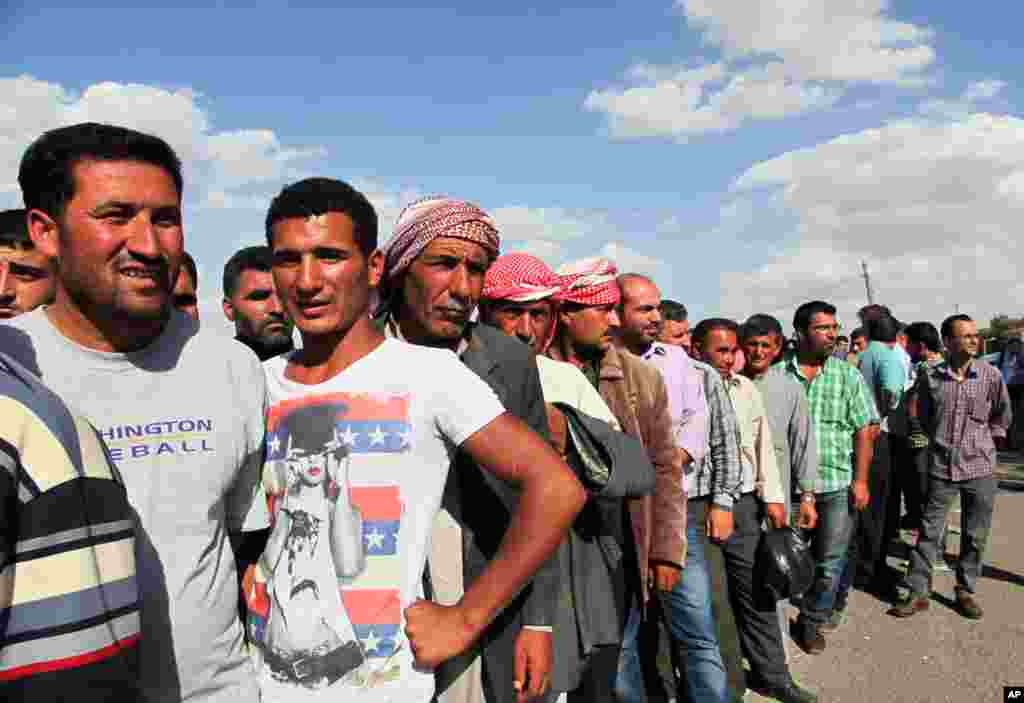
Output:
(867, 282)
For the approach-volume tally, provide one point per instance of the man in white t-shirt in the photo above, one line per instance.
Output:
(361, 432)
(181, 410)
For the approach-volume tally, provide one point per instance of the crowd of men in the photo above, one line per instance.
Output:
(475, 479)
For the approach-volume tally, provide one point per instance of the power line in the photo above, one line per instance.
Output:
(867, 282)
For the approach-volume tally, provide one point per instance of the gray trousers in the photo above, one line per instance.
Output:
(977, 501)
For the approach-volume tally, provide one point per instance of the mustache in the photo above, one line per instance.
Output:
(157, 264)
(456, 306)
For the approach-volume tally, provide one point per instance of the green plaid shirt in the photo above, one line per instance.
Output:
(840, 404)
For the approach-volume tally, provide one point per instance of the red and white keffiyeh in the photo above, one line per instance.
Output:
(425, 220)
(520, 278)
(589, 282)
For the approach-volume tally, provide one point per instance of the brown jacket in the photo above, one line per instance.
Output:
(636, 394)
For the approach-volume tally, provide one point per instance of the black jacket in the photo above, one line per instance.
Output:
(483, 506)
(597, 560)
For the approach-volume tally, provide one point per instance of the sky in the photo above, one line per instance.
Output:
(749, 155)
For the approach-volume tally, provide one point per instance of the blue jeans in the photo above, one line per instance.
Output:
(687, 611)
(830, 542)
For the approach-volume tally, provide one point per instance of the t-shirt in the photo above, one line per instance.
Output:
(355, 468)
(183, 419)
(69, 600)
(883, 371)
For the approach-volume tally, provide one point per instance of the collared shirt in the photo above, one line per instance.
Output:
(792, 432)
(720, 474)
(686, 401)
(564, 383)
(840, 404)
(757, 452)
(884, 373)
(961, 416)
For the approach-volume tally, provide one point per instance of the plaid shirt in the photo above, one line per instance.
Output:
(840, 404)
(720, 473)
(962, 417)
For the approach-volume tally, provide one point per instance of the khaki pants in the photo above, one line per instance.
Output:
(447, 579)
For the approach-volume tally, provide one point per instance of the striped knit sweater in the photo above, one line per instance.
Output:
(69, 601)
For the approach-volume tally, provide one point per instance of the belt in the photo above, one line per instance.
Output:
(309, 668)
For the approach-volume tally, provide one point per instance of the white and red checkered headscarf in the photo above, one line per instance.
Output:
(589, 282)
(427, 219)
(520, 278)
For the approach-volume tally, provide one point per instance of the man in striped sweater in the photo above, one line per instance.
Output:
(69, 601)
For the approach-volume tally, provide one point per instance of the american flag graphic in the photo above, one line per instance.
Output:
(372, 600)
(376, 430)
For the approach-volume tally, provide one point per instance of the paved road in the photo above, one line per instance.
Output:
(937, 655)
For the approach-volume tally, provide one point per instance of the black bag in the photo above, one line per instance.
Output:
(785, 562)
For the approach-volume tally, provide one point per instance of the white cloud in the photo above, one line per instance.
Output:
(549, 224)
(831, 40)
(551, 253)
(631, 261)
(700, 100)
(974, 93)
(219, 166)
(933, 205)
(549, 233)
(779, 58)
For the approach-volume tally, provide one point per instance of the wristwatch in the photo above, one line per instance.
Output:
(807, 498)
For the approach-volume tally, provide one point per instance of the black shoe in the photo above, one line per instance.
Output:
(809, 638)
(969, 607)
(909, 607)
(788, 692)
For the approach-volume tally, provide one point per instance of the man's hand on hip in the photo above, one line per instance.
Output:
(776, 514)
(664, 577)
(808, 517)
(437, 633)
(859, 495)
(718, 524)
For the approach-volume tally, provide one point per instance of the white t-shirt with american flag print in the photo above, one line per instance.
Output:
(326, 600)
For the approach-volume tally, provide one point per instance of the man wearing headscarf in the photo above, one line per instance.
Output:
(636, 393)
(434, 268)
(518, 299)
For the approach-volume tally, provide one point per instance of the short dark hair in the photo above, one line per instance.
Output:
(842, 338)
(870, 312)
(926, 334)
(760, 326)
(882, 329)
(14, 228)
(47, 168)
(706, 327)
(258, 258)
(947, 324)
(673, 311)
(858, 333)
(806, 312)
(190, 265)
(318, 196)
